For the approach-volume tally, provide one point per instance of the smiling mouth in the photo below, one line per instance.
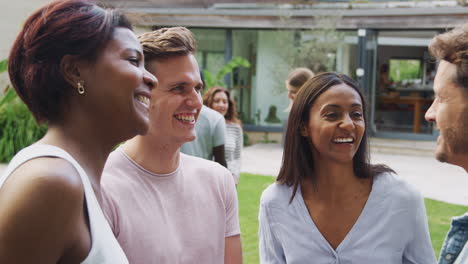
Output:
(143, 99)
(344, 140)
(185, 118)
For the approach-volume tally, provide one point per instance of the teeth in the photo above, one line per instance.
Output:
(343, 140)
(145, 100)
(186, 117)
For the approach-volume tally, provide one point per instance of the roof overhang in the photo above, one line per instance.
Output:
(380, 18)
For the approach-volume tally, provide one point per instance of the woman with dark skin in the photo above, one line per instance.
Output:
(330, 204)
(79, 68)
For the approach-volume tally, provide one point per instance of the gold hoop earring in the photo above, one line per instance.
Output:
(80, 87)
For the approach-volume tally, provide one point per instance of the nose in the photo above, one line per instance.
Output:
(149, 79)
(347, 122)
(431, 112)
(195, 99)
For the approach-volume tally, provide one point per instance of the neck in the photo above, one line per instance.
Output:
(335, 182)
(464, 165)
(460, 160)
(153, 155)
(88, 149)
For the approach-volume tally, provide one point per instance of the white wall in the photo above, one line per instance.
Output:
(266, 91)
(12, 16)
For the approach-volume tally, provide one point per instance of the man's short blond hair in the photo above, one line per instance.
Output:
(167, 42)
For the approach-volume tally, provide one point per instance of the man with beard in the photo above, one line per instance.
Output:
(449, 112)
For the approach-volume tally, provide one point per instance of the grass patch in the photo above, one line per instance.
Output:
(440, 217)
(251, 187)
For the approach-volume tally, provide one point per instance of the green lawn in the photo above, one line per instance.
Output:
(251, 186)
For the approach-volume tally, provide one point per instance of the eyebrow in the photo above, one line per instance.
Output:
(184, 84)
(139, 52)
(337, 106)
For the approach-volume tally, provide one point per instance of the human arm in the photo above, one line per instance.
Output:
(110, 210)
(219, 137)
(219, 156)
(419, 249)
(42, 217)
(236, 163)
(233, 245)
(271, 251)
(232, 250)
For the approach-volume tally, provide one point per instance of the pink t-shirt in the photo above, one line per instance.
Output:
(181, 217)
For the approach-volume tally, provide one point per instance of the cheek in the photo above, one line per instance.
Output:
(443, 116)
(317, 136)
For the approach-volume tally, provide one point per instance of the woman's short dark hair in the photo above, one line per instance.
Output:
(297, 156)
(64, 27)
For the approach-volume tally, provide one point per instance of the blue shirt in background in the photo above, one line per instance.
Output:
(455, 248)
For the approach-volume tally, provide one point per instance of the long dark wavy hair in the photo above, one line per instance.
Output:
(208, 100)
(298, 161)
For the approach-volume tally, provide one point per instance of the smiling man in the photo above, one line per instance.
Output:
(165, 206)
(449, 112)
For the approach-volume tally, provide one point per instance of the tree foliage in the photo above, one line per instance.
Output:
(313, 48)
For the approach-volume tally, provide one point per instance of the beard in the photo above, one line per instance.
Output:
(455, 138)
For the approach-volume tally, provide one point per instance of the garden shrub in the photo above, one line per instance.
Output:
(18, 128)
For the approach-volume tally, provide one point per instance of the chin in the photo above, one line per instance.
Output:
(343, 160)
(441, 153)
(189, 138)
(142, 129)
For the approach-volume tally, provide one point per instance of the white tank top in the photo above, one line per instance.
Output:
(104, 248)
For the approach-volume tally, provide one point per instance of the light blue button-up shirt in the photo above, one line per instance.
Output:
(392, 228)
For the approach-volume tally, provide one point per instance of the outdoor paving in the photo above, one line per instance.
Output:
(435, 180)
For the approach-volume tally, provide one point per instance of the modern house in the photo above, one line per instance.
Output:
(381, 44)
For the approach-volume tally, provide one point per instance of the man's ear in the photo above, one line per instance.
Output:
(69, 65)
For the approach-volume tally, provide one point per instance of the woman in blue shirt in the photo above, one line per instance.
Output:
(329, 204)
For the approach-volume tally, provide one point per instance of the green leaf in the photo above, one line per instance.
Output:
(8, 97)
(230, 66)
(3, 65)
(18, 128)
(218, 78)
(209, 79)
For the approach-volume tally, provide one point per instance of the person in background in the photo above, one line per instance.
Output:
(219, 99)
(449, 112)
(165, 206)
(211, 135)
(384, 79)
(296, 78)
(79, 68)
(329, 204)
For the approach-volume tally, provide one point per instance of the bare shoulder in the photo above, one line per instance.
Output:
(42, 200)
(44, 184)
(48, 176)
